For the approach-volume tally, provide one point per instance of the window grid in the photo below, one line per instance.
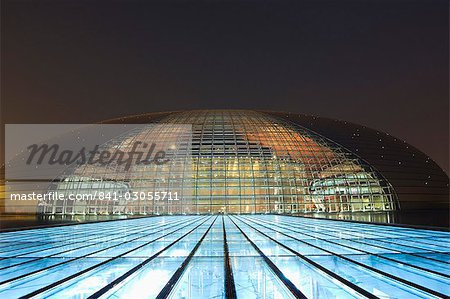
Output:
(233, 162)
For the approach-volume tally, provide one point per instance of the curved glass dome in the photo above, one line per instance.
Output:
(237, 161)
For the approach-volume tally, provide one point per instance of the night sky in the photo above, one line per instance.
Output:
(383, 64)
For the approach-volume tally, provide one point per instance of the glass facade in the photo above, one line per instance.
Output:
(418, 181)
(218, 256)
(238, 162)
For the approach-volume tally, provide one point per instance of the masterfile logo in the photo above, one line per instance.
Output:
(102, 159)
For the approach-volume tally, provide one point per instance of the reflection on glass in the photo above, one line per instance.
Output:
(321, 258)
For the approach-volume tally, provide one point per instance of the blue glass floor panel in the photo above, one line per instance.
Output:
(243, 256)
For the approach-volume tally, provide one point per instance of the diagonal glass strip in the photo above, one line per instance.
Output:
(137, 258)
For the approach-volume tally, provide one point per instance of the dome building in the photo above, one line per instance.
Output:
(245, 162)
(230, 179)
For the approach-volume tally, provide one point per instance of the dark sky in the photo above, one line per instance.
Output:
(383, 64)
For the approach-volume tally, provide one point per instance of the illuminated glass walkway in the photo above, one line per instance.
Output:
(225, 256)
